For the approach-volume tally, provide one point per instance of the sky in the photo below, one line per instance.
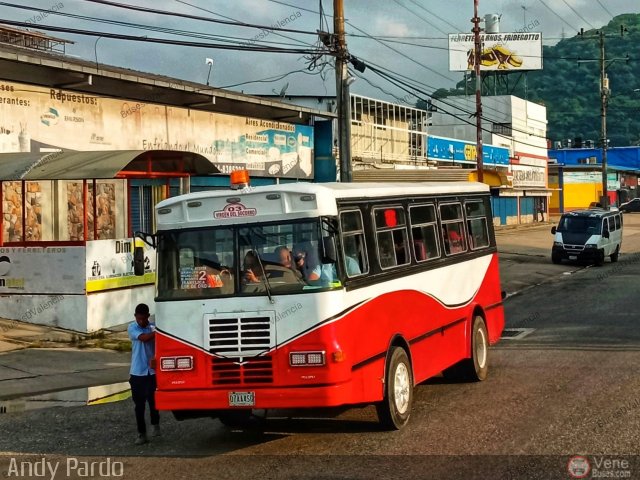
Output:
(429, 20)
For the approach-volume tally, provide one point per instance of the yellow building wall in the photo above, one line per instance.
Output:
(576, 195)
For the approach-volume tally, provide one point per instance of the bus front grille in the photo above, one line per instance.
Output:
(239, 336)
(242, 371)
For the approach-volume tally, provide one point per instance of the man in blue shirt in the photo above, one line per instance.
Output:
(143, 376)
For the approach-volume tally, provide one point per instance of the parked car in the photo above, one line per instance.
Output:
(630, 206)
(588, 235)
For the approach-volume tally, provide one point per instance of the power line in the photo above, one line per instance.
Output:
(234, 20)
(391, 75)
(185, 33)
(420, 17)
(271, 79)
(605, 8)
(558, 15)
(197, 17)
(578, 14)
(401, 54)
(165, 41)
(401, 85)
(433, 14)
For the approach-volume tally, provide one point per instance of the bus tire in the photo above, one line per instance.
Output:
(395, 408)
(476, 368)
(556, 258)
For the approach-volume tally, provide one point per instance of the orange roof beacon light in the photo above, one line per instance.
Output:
(239, 179)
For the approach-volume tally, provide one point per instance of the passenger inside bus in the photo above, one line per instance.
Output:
(282, 269)
(453, 242)
(351, 256)
(251, 267)
(313, 271)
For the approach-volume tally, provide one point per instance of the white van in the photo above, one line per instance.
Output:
(588, 235)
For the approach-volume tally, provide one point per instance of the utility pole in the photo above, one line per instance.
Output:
(604, 93)
(342, 93)
(604, 99)
(477, 54)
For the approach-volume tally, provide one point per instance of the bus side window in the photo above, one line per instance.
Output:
(453, 228)
(424, 232)
(618, 223)
(391, 236)
(477, 224)
(353, 244)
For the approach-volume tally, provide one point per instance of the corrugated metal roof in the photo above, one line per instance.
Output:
(102, 164)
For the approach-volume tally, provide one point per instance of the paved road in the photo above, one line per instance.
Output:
(568, 385)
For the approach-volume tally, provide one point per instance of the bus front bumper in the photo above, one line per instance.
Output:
(257, 398)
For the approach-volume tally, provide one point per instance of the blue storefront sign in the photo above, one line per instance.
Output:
(459, 151)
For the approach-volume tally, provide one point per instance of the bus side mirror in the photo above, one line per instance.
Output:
(138, 261)
(553, 230)
(329, 250)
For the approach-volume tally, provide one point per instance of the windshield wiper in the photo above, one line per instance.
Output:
(265, 280)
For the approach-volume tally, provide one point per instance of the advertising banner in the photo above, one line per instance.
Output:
(439, 148)
(500, 51)
(39, 119)
(110, 264)
(42, 270)
(528, 176)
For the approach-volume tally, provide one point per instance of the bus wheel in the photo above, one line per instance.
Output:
(395, 408)
(476, 368)
(556, 258)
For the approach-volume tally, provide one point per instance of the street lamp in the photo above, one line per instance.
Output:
(209, 61)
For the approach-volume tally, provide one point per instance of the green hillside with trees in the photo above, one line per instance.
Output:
(570, 87)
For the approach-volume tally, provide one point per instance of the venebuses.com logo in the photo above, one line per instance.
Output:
(598, 467)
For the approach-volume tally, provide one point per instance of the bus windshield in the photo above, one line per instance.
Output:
(575, 224)
(243, 260)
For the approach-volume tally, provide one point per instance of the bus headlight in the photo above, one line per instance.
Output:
(591, 245)
(557, 244)
(306, 359)
(176, 363)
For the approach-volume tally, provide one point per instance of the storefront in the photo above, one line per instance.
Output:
(66, 242)
(81, 171)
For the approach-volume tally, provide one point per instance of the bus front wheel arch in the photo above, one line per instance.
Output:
(395, 408)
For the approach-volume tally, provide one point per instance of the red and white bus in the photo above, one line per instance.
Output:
(322, 295)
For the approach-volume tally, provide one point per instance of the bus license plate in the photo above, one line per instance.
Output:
(242, 399)
(573, 257)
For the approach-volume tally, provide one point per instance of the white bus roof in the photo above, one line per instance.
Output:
(295, 200)
(339, 190)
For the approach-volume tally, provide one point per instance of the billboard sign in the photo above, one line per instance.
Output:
(501, 52)
(459, 151)
(38, 119)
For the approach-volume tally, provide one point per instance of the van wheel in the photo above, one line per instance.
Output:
(556, 258)
(395, 408)
(614, 255)
(476, 368)
(599, 258)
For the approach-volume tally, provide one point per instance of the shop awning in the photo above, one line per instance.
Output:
(493, 178)
(65, 165)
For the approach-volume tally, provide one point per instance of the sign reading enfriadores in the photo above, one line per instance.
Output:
(500, 51)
